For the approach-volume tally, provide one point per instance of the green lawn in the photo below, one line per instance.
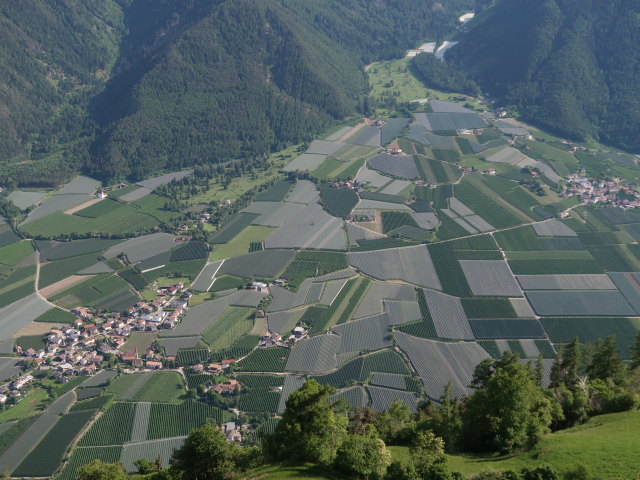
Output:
(13, 254)
(33, 403)
(608, 444)
(241, 242)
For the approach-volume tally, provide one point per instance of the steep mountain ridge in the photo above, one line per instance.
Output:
(201, 81)
(571, 66)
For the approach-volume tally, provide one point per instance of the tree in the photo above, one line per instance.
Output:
(310, 430)
(205, 455)
(606, 363)
(427, 454)
(393, 421)
(144, 466)
(363, 456)
(98, 470)
(635, 352)
(509, 411)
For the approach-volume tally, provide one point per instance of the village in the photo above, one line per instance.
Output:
(600, 192)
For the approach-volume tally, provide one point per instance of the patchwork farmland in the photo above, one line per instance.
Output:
(413, 249)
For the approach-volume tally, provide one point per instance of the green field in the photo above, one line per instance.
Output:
(53, 272)
(225, 330)
(135, 217)
(13, 254)
(607, 444)
(91, 292)
(98, 209)
(241, 243)
(163, 387)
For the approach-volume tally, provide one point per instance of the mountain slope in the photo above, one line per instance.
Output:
(163, 84)
(567, 65)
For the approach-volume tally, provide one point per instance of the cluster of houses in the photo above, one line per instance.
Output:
(80, 348)
(591, 191)
(14, 389)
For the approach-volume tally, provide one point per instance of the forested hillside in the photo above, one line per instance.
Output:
(128, 87)
(567, 65)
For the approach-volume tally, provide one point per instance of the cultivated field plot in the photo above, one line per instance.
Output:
(307, 162)
(162, 387)
(36, 431)
(136, 194)
(411, 264)
(440, 106)
(459, 208)
(448, 316)
(425, 220)
(314, 355)
(579, 303)
(353, 397)
(137, 383)
(9, 367)
(206, 278)
(507, 155)
(372, 303)
(324, 147)
(262, 263)
(368, 136)
(507, 328)
(330, 291)
(628, 284)
(588, 330)
(174, 420)
(18, 314)
(365, 204)
(553, 228)
(566, 282)
(399, 312)
(284, 299)
(389, 380)
(162, 449)
(144, 247)
(291, 384)
(232, 227)
(24, 200)
(229, 327)
(368, 334)
(439, 363)
(303, 192)
(96, 269)
(395, 187)
(522, 308)
(7, 236)
(450, 121)
(155, 182)
(199, 317)
(81, 456)
(382, 398)
(392, 129)
(46, 457)
(280, 321)
(272, 214)
(74, 193)
(339, 134)
(52, 250)
(356, 232)
(100, 379)
(491, 278)
(311, 228)
(371, 177)
(400, 166)
(112, 428)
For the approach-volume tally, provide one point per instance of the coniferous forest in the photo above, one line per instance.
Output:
(123, 88)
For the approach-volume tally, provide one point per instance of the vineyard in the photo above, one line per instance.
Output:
(226, 282)
(259, 400)
(189, 251)
(112, 428)
(338, 202)
(191, 356)
(488, 308)
(131, 275)
(165, 387)
(45, 459)
(242, 347)
(393, 220)
(424, 328)
(85, 455)
(265, 360)
(231, 325)
(168, 420)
